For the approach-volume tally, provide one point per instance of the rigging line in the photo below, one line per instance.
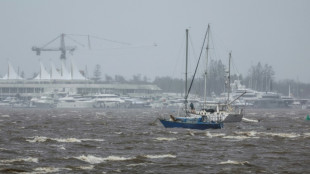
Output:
(75, 41)
(100, 38)
(122, 48)
(234, 66)
(212, 46)
(192, 45)
(177, 61)
(203, 44)
(50, 41)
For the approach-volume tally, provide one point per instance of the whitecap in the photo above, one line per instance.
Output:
(160, 156)
(306, 134)
(29, 159)
(116, 158)
(247, 120)
(134, 165)
(86, 167)
(67, 140)
(61, 147)
(90, 159)
(192, 133)
(282, 135)
(165, 139)
(95, 160)
(234, 162)
(37, 139)
(61, 140)
(250, 133)
(208, 134)
(239, 138)
(173, 132)
(48, 170)
(5, 116)
(92, 139)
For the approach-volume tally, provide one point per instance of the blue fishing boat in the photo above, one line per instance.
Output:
(200, 123)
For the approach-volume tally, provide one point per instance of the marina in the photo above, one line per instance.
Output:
(118, 87)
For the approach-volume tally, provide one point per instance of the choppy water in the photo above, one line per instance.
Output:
(127, 141)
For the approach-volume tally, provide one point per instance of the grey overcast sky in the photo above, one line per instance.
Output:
(274, 32)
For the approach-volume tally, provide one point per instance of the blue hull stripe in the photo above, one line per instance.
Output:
(201, 126)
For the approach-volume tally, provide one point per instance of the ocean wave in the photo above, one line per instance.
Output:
(61, 140)
(95, 160)
(3, 148)
(41, 170)
(247, 120)
(160, 156)
(192, 133)
(86, 167)
(29, 159)
(254, 134)
(87, 139)
(208, 134)
(118, 133)
(165, 139)
(281, 135)
(5, 116)
(306, 134)
(238, 137)
(134, 165)
(173, 132)
(249, 134)
(234, 162)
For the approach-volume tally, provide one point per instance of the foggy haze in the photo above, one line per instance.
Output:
(149, 36)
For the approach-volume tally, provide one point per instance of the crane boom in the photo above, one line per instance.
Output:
(63, 48)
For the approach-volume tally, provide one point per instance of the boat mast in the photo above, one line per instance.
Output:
(186, 62)
(207, 52)
(228, 85)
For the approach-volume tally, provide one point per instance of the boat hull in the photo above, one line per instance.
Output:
(201, 126)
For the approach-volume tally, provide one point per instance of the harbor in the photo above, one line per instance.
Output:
(154, 87)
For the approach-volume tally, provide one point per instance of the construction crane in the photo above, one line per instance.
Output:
(63, 48)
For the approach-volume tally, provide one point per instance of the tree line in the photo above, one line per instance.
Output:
(260, 77)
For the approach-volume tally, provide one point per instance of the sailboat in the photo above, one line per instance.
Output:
(192, 120)
(211, 115)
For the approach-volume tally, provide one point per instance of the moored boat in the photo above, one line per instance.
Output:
(201, 123)
(192, 120)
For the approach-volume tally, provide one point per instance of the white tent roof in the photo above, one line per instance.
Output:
(11, 74)
(65, 75)
(75, 73)
(55, 75)
(43, 74)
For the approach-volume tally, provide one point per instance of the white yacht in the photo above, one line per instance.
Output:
(108, 101)
(75, 101)
(44, 101)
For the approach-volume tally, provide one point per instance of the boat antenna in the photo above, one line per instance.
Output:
(186, 62)
(203, 44)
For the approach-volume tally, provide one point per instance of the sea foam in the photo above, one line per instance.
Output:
(95, 160)
(165, 139)
(160, 156)
(41, 139)
(29, 159)
(234, 162)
